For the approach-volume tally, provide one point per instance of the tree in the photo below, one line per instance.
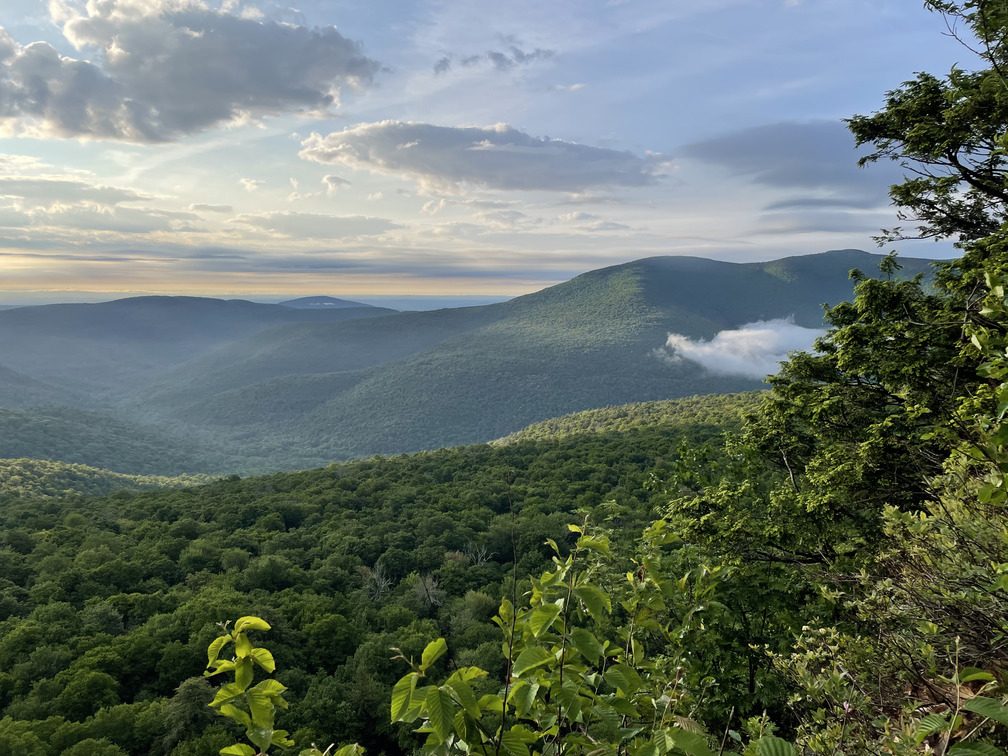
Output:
(949, 133)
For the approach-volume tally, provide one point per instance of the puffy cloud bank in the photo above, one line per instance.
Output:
(754, 349)
(166, 68)
(499, 157)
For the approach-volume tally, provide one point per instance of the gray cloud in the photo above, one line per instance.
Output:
(499, 157)
(814, 165)
(790, 155)
(333, 183)
(825, 203)
(48, 192)
(166, 69)
(754, 349)
(317, 226)
(502, 61)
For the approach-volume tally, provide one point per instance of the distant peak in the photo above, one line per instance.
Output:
(319, 303)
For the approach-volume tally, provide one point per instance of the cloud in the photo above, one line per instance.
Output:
(312, 225)
(202, 207)
(811, 174)
(32, 193)
(250, 184)
(590, 222)
(502, 61)
(333, 183)
(809, 156)
(167, 68)
(754, 349)
(500, 157)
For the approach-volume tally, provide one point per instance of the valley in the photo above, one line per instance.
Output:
(241, 387)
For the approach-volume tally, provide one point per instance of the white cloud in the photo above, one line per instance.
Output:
(206, 208)
(333, 183)
(250, 184)
(316, 226)
(167, 68)
(444, 158)
(754, 349)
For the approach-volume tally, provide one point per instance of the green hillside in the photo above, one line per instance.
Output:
(264, 387)
(44, 479)
(107, 605)
(106, 348)
(424, 380)
(18, 391)
(721, 411)
(100, 440)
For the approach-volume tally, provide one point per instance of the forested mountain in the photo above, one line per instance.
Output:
(108, 347)
(41, 479)
(107, 605)
(269, 386)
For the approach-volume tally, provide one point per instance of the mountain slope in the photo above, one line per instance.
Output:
(273, 387)
(423, 380)
(106, 347)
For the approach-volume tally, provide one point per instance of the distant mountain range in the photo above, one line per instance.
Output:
(251, 387)
(312, 303)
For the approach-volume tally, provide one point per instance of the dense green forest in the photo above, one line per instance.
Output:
(45, 479)
(110, 603)
(826, 576)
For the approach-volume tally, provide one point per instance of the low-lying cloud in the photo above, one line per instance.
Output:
(754, 349)
(165, 69)
(498, 157)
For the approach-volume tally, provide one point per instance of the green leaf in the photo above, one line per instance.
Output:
(769, 745)
(239, 716)
(513, 744)
(595, 601)
(434, 651)
(281, 738)
(587, 645)
(522, 696)
(238, 749)
(251, 623)
(271, 688)
(440, 713)
(623, 678)
(227, 693)
(401, 695)
(599, 544)
(543, 618)
(262, 710)
(529, 659)
(243, 673)
(970, 674)
(929, 724)
(974, 748)
(691, 742)
(492, 703)
(215, 648)
(243, 646)
(261, 736)
(988, 707)
(264, 659)
(350, 750)
(464, 696)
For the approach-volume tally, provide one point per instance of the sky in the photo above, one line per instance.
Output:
(253, 148)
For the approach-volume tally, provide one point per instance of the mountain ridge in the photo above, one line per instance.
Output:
(350, 382)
